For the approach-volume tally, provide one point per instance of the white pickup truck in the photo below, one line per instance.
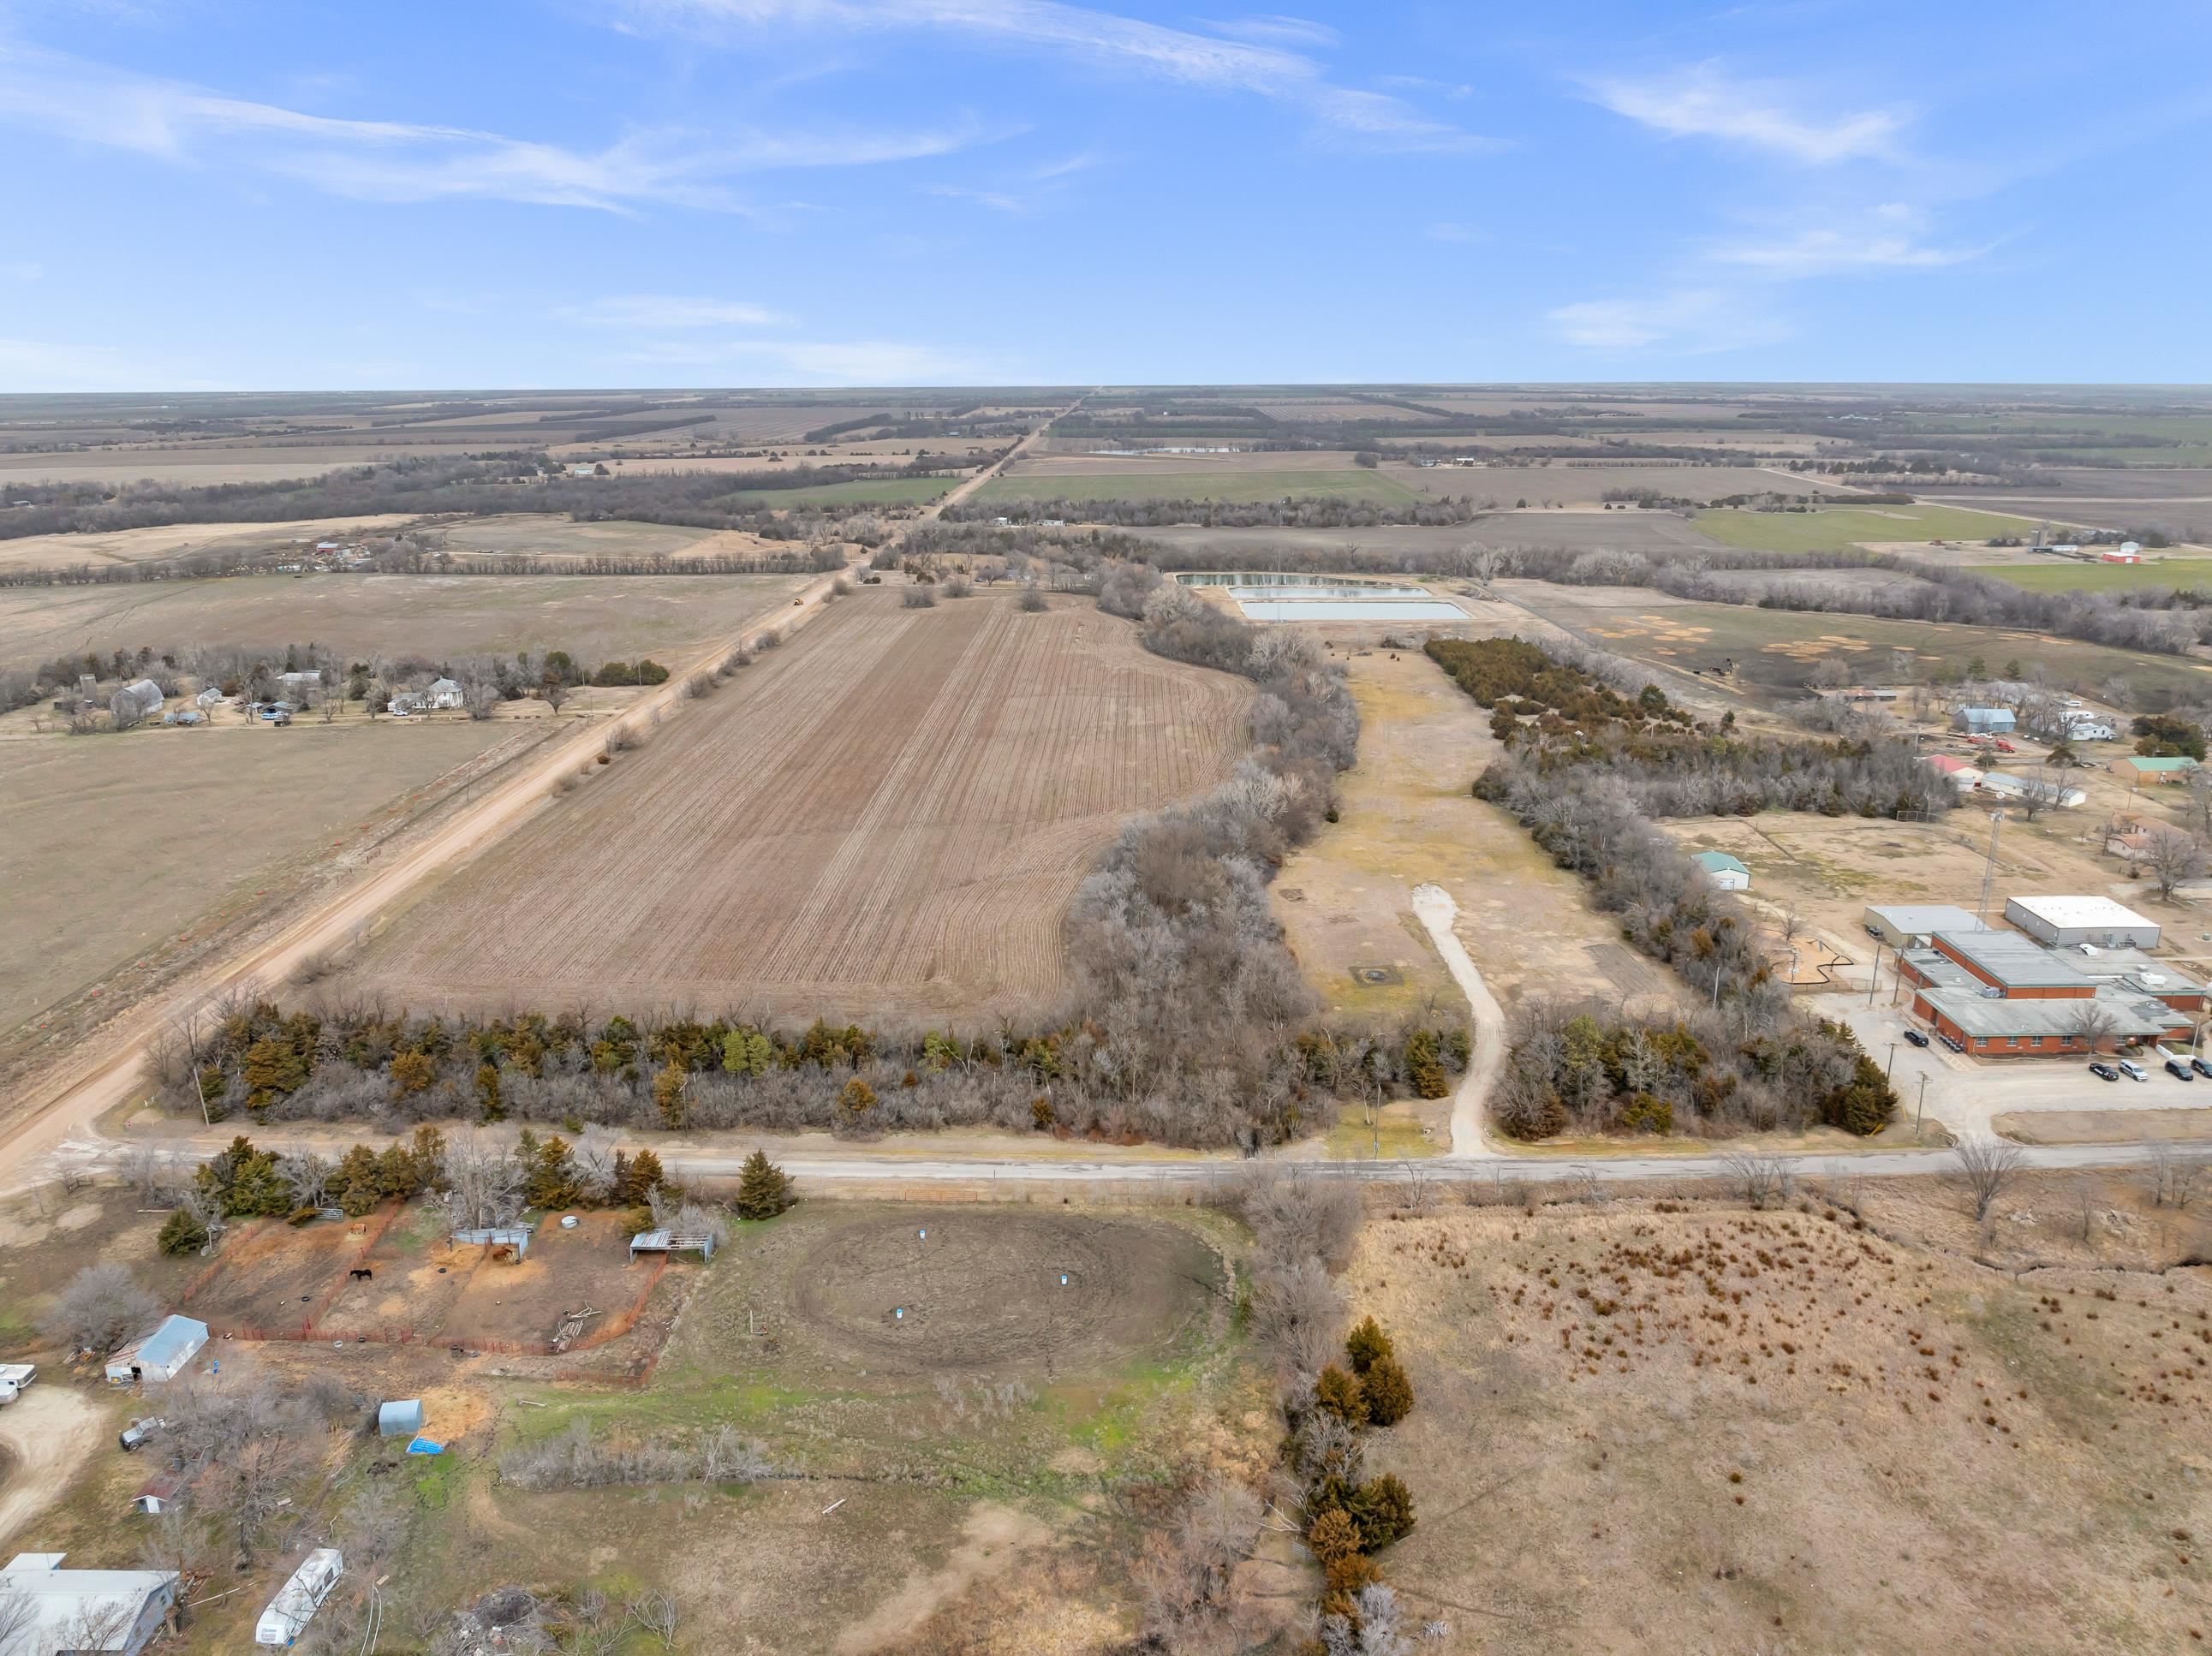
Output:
(14, 1377)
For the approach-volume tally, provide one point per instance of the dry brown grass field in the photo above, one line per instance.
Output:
(1575, 485)
(181, 540)
(118, 845)
(887, 815)
(1651, 1425)
(435, 616)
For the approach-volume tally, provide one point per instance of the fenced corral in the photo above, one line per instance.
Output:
(406, 1285)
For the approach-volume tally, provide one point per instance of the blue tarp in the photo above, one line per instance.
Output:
(423, 1446)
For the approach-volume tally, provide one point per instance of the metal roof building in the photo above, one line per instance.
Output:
(72, 1611)
(1909, 926)
(672, 1241)
(2069, 922)
(298, 1599)
(1724, 870)
(162, 1354)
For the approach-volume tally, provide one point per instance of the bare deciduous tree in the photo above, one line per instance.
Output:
(102, 1307)
(1767, 1179)
(1986, 1166)
(2091, 1023)
(656, 1610)
(2171, 857)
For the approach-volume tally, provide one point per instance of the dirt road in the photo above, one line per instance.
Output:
(50, 1431)
(1435, 910)
(50, 1125)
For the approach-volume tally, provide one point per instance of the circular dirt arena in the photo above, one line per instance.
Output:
(920, 1291)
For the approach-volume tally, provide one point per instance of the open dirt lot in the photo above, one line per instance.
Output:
(1644, 1427)
(979, 1290)
(545, 535)
(1406, 818)
(118, 845)
(889, 814)
(593, 617)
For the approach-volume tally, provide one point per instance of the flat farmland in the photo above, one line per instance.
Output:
(119, 844)
(866, 491)
(889, 815)
(2067, 576)
(1229, 486)
(436, 616)
(1587, 485)
(1775, 651)
(1837, 528)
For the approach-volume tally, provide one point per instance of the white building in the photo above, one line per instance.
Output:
(2070, 922)
(137, 698)
(443, 693)
(1723, 870)
(298, 1599)
(162, 1354)
(75, 1612)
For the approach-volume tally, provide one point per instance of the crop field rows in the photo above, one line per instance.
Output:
(890, 813)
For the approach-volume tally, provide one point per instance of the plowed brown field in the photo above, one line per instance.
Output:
(888, 816)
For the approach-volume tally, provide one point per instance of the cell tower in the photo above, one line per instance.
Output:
(1989, 872)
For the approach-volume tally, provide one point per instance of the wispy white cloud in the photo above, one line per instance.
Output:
(1691, 321)
(403, 161)
(1704, 102)
(1829, 252)
(997, 200)
(1448, 231)
(1273, 29)
(28, 365)
(662, 311)
(1267, 68)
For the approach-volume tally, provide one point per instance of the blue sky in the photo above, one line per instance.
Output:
(241, 194)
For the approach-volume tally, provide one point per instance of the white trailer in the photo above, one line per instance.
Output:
(14, 1377)
(298, 1599)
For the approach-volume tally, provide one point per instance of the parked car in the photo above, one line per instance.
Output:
(131, 1436)
(2179, 1070)
(2002, 745)
(2104, 1073)
(1915, 1037)
(1952, 1044)
(2132, 1071)
(2203, 1066)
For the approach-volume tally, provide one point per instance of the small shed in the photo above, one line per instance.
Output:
(1723, 870)
(158, 1494)
(672, 1241)
(401, 1418)
(1985, 721)
(2146, 771)
(162, 1354)
(298, 1599)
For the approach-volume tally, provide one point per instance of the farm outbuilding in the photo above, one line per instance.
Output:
(128, 1608)
(672, 1241)
(1723, 870)
(402, 1418)
(162, 1354)
(208, 698)
(2142, 771)
(298, 1599)
(138, 700)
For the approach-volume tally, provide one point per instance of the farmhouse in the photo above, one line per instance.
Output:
(443, 693)
(162, 1354)
(1910, 925)
(66, 1612)
(1985, 721)
(2068, 922)
(1723, 870)
(1964, 775)
(2139, 771)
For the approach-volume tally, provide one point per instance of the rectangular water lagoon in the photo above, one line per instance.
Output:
(1349, 609)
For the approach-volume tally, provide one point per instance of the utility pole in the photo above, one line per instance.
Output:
(1874, 982)
(1890, 1064)
(1989, 872)
(1919, 1109)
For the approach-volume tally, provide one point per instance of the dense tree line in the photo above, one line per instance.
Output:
(479, 486)
(1586, 769)
(1311, 512)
